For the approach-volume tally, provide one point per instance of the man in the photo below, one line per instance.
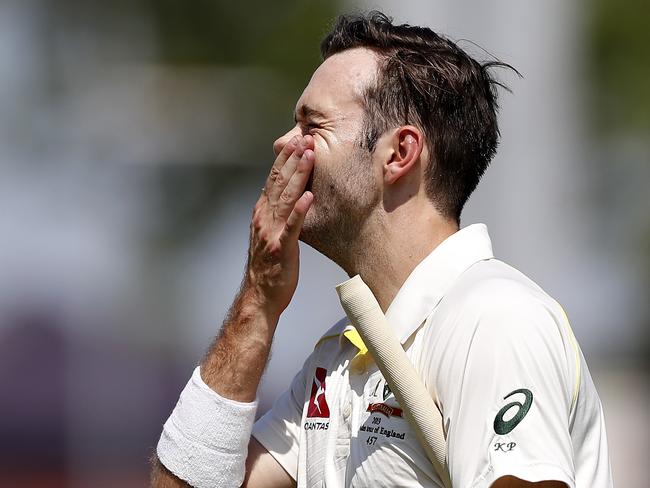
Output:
(392, 135)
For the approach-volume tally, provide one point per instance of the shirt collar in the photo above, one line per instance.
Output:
(432, 277)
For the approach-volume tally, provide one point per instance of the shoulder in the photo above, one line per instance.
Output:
(494, 306)
(494, 291)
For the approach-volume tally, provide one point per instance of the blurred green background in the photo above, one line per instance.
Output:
(134, 138)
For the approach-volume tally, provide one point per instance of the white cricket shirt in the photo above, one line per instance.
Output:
(494, 350)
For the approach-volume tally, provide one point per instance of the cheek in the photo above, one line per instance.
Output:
(321, 143)
(323, 154)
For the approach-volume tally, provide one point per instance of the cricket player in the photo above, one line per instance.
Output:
(392, 135)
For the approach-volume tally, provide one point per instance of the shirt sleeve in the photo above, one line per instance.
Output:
(278, 430)
(510, 413)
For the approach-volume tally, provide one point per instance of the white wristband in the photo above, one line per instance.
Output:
(205, 440)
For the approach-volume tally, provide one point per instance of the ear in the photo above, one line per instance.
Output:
(405, 146)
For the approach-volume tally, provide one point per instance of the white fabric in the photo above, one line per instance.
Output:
(477, 330)
(205, 439)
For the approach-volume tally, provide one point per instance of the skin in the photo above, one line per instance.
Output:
(367, 212)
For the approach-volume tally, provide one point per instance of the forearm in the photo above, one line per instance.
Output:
(161, 477)
(204, 440)
(233, 365)
(235, 362)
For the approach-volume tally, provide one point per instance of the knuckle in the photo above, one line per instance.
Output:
(273, 250)
(275, 172)
(286, 197)
(263, 236)
(256, 221)
(257, 209)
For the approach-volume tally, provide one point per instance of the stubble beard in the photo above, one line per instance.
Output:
(342, 206)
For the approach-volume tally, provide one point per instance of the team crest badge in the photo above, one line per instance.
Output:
(383, 407)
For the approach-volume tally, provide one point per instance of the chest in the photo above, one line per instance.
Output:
(354, 432)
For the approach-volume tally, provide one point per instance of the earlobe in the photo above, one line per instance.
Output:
(392, 173)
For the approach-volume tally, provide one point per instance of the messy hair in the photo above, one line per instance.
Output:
(426, 80)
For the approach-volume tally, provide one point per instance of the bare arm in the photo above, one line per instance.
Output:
(234, 364)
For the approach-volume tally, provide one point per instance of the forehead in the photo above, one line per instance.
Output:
(336, 86)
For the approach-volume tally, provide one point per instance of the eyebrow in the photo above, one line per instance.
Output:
(307, 112)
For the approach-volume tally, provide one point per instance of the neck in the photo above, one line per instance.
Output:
(390, 247)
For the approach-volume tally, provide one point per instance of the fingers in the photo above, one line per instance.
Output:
(288, 168)
(279, 162)
(294, 223)
(295, 186)
(281, 209)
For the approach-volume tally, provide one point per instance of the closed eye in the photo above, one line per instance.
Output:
(309, 128)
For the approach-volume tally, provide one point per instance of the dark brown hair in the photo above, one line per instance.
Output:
(426, 80)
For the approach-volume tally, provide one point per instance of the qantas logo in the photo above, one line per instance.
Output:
(317, 402)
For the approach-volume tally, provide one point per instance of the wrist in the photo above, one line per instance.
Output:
(253, 301)
(204, 441)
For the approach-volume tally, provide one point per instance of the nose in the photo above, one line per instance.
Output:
(281, 141)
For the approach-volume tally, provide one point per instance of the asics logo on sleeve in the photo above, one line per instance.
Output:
(502, 426)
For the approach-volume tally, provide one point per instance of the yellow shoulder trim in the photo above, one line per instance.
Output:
(576, 351)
